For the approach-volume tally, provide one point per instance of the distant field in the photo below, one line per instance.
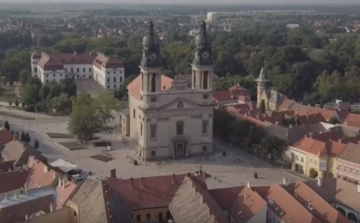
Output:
(48, 15)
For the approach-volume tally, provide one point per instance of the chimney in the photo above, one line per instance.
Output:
(26, 217)
(25, 188)
(15, 194)
(46, 168)
(204, 175)
(309, 105)
(6, 196)
(113, 173)
(248, 185)
(141, 182)
(51, 207)
(54, 175)
(284, 181)
(276, 123)
(75, 53)
(131, 183)
(173, 179)
(59, 182)
(310, 135)
(319, 182)
(340, 140)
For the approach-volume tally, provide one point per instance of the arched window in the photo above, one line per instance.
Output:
(180, 104)
(352, 217)
(153, 83)
(205, 80)
(341, 211)
(180, 128)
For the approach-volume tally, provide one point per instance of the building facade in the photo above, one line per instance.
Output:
(172, 118)
(108, 72)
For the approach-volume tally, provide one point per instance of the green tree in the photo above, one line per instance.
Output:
(7, 125)
(105, 104)
(10, 102)
(262, 106)
(36, 144)
(61, 103)
(27, 137)
(222, 120)
(31, 94)
(273, 148)
(23, 137)
(84, 119)
(16, 103)
(24, 76)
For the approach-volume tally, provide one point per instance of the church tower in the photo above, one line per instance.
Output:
(261, 87)
(150, 68)
(202, 66)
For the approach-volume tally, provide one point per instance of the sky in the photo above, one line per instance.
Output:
(250, 2)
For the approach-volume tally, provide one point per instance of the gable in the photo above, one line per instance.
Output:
(180, 103)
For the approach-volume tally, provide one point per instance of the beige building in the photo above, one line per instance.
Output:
(172, 118)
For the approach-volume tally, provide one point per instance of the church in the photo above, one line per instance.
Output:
(171, 118)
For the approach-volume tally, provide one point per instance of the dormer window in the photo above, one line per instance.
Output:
(180, 104)
(53, 69)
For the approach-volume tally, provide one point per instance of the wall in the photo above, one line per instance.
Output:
(260, 216)
(300, 160)
(64, 215)
(341, 172)
(312, 162)
(154, 214)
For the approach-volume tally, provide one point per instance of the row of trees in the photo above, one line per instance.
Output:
(248, 136)
(48, 97)
(89, 114)
(24, 137)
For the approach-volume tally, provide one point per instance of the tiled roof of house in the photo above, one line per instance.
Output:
(234, 93)
(285, 206)
(193, 204)
(64, 190)
(352, 120)
(246, 205)
(310, 145)
(17, 213)
(5, 136)
(135, 86)
(351, 153)
(40, 174)
(107, 62)
(320, 208)
(334, 190)
(225, 196)
(149, 192)
(299, 109)
(48, 62)
(12, 180)
(286, 104)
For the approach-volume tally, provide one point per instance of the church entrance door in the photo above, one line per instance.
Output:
(180, 150)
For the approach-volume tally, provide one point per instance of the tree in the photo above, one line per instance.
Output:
(61, 103)
(313, 173)
(105, 103)
(16, 103)
(24, 76)
(36, 144)
(27, 137)
(10, 102)
(274, 148)
(7, 126)
(222, 120)
(23, 137)
(31, 94)
(23, 104)
(84, 119)
(262, 107)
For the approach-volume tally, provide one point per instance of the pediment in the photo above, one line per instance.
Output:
(180, 103)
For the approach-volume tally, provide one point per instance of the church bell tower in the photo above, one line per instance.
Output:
(202, 66)
(150, 67)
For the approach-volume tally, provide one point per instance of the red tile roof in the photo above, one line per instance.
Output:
(149, 192)
(135, 86)
(321, 209)
(235, 93)
(226, 196)
(352, 120)
(5, 136)
(40, 174)
(310, 145)
(12, 180)
(65, 190)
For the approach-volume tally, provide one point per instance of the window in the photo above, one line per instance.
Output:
(138, 218)
(60, 75)
(108, 79)
(114, 86)
(153, 128)
(148, 216)
(302, 159)
(330, 164)
(168, 215)
(205, 96)
(153, 83)
(180, 128)
(194, 79)
(357, 172)
(339, 167)
(310, 161)
(72, 70)
(75, 214)
(77, 76)
(84, 70)
(351, 170)
(65, 75)
(153, 153)
(47, 75)
(47, 81)
(78, 70)
(89, 69)
(114, 72)
(53, 69)
(35, 69)
(120, 79)
(108, 72)
(205, 80)
(345, 168)
(65, 70)
(315, 162)
(114, 79)
(204, 148)
(205, 125)
(153, 99)
(180, 104)
(108, 86)
(141, 129)
(53, 75)
(134, 113)
(296, 158)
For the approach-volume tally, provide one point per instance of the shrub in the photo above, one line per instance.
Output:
(313, 173)
(10, 102)
(17, 103)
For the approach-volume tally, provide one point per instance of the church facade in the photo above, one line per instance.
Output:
(172, 118)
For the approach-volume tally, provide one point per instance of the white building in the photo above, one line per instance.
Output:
(172, 118)
(211, 17)
(108, 72)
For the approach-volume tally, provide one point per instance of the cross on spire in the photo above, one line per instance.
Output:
(151, 32)
(203, 27)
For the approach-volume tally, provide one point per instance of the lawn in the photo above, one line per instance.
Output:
(59, 135)
(7, 93)
(72, 145)
(11, 115)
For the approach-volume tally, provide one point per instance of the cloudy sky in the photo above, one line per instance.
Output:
(197, 1)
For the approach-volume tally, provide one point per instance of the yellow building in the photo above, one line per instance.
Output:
(320, 160)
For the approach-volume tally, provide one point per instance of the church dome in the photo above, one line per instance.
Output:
(202, 38)
(150, 39)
